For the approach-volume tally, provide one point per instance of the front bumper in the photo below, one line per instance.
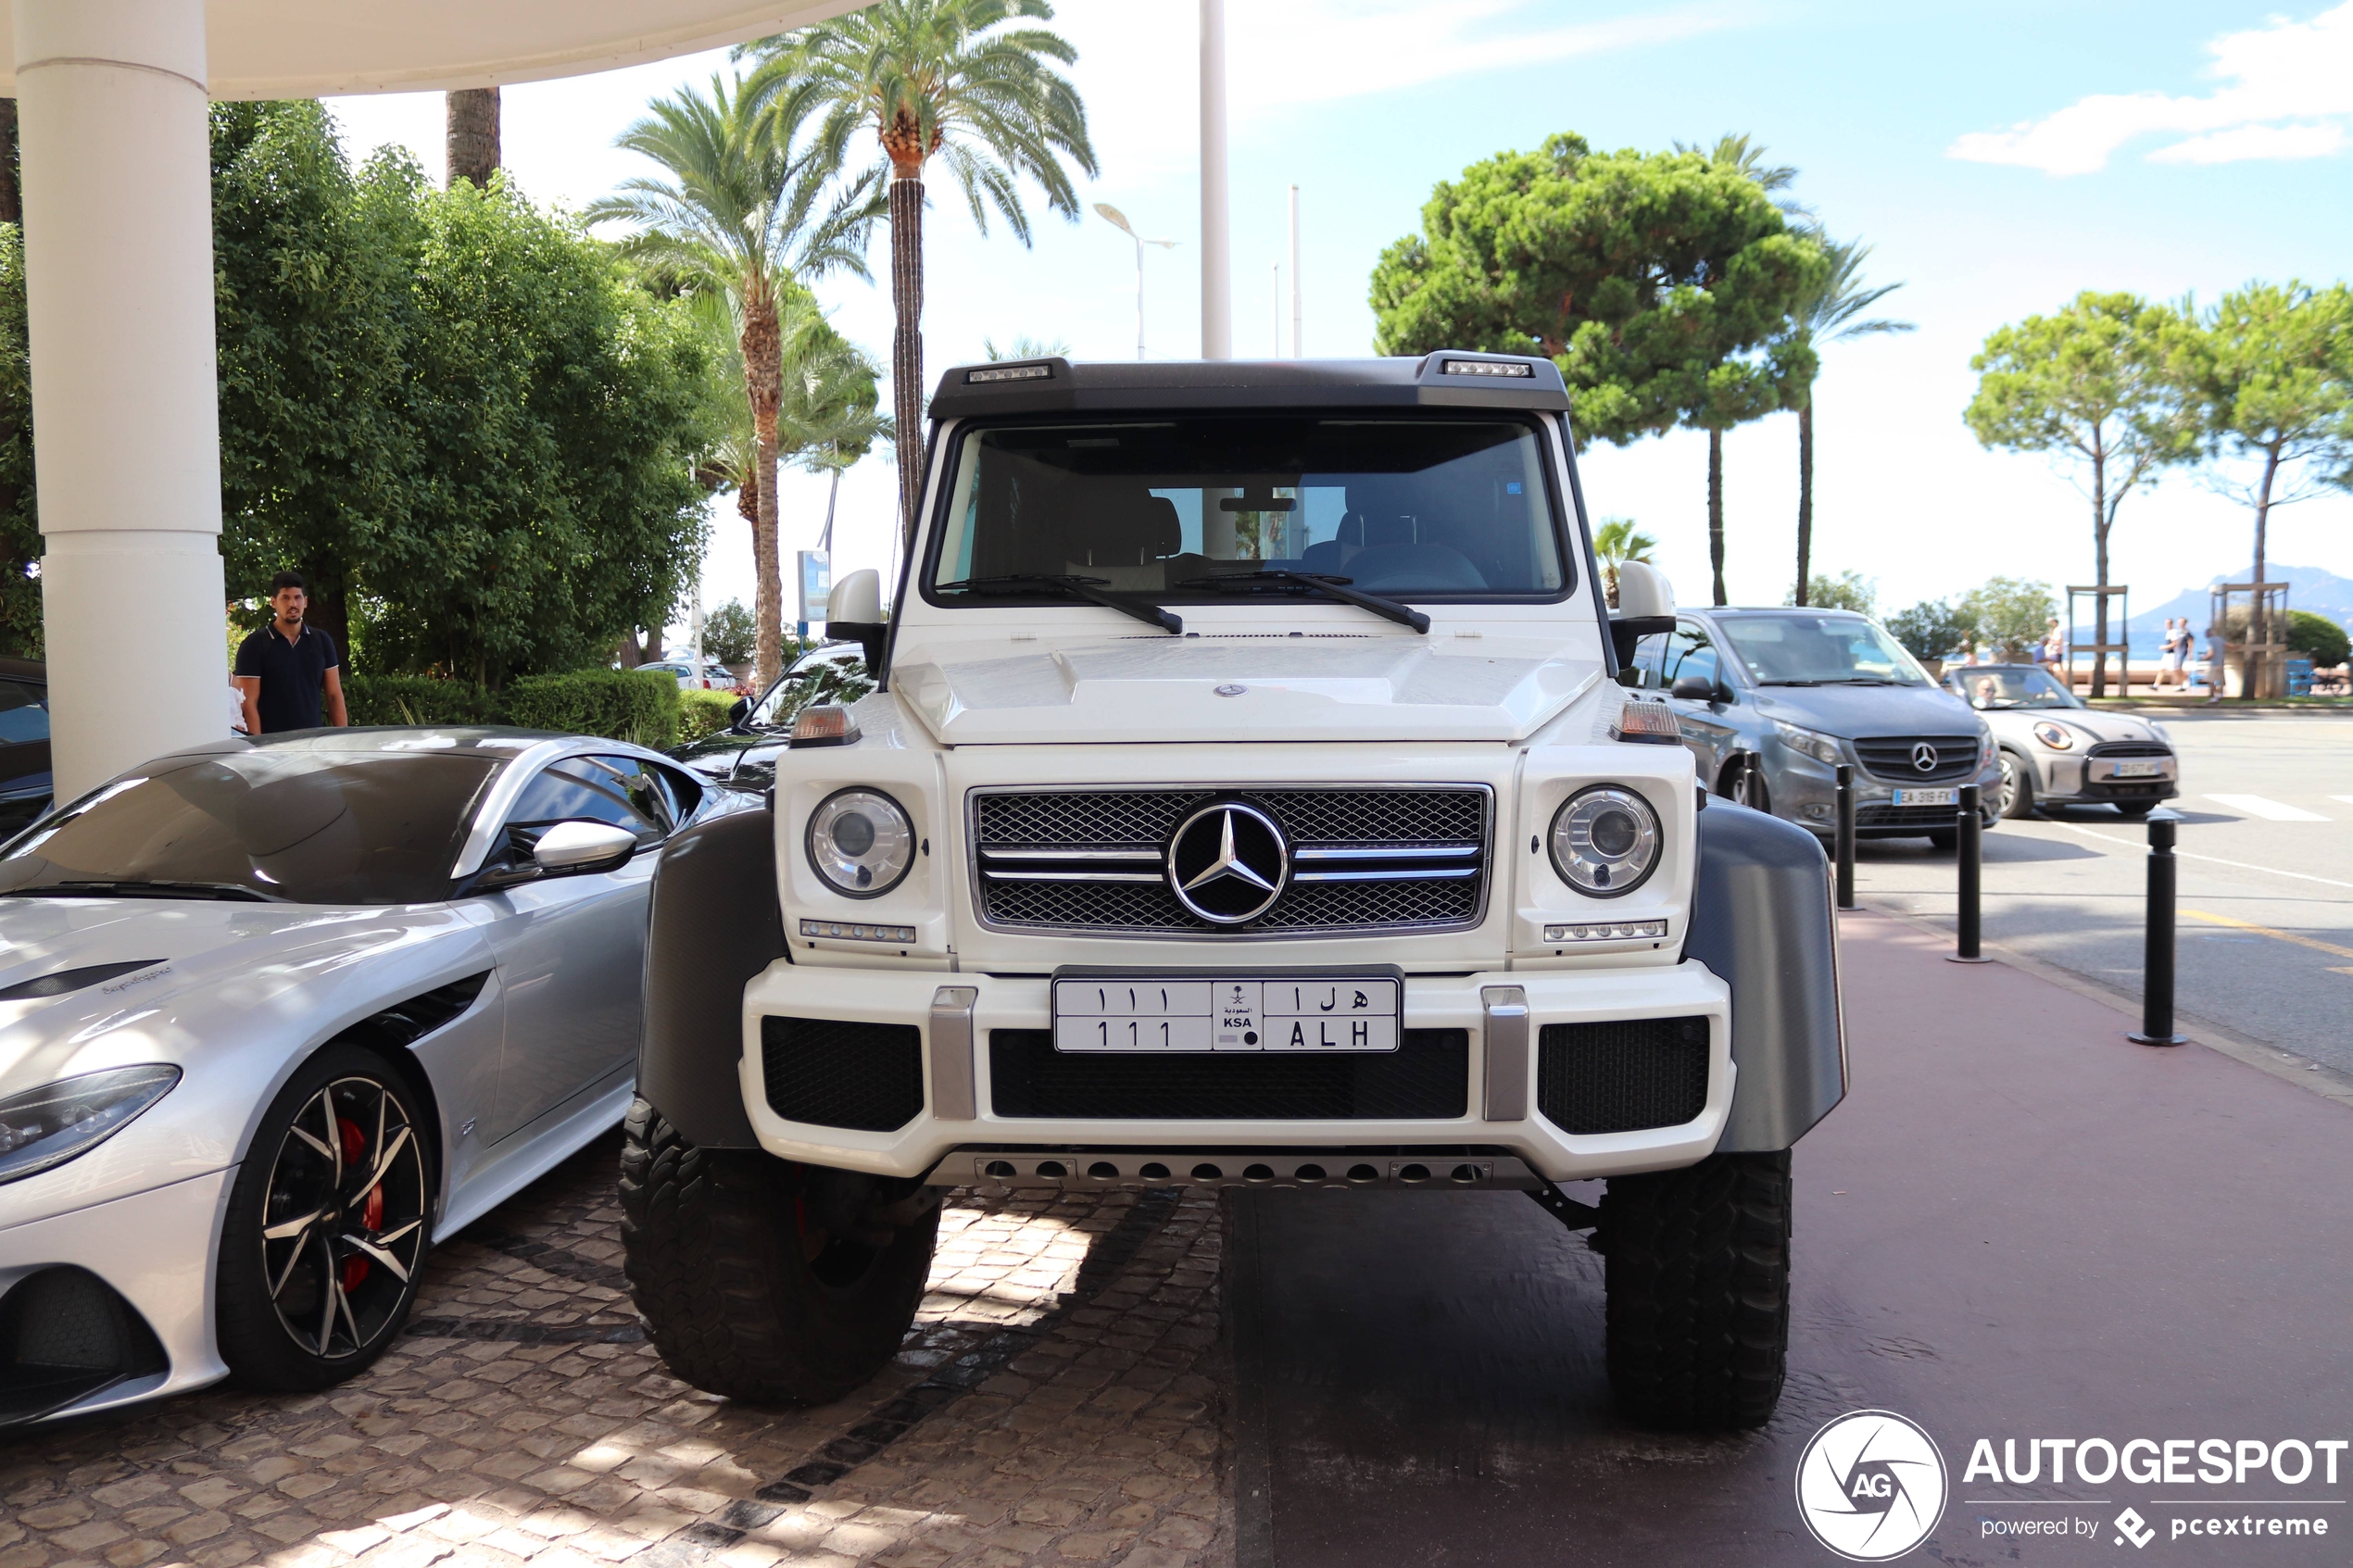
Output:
(1502, 1119)
(1805, 791)
(155, 1250)
(2083, 780)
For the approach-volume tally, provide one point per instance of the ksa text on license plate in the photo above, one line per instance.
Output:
(1317, 1013)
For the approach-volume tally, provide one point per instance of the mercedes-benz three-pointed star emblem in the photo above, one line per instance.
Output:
(1228, 862)
(1923, 757)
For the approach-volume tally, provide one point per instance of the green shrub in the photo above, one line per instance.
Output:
(414, 699)
(617, 704)
(702, 714)
(2317, 638)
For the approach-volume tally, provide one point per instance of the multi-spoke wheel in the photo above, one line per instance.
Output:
(328, 1225)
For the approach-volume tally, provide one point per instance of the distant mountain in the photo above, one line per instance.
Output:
(2323, 593)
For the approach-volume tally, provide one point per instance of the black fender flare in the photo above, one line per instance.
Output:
(1762, 922)
(715, 925)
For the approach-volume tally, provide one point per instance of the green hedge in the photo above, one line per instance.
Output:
(415, 699)
(622, 704)
(702, 714)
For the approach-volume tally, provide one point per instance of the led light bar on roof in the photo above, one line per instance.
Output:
(1009, 373)
(1509, 370)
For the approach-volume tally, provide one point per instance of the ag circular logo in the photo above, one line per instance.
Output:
(1228, 862)
(1871, 1486)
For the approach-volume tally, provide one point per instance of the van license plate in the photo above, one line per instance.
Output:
(1928, 797)
(1322, 1013)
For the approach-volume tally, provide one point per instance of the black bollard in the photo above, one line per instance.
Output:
(1846, 836)
(2156, 962)
(1968, 831)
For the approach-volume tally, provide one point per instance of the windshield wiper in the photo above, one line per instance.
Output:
(1331, 587)
(1789, 683)
(226, 891)
(1087, 588)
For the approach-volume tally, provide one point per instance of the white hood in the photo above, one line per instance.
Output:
(1322, 687)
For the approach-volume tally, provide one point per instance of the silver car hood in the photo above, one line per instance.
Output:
(1214, 688)
(223, 971)
(2098, 724)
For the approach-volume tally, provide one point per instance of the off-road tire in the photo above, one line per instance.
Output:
(2017, 793)
(743, 1289)
(1697, 1314)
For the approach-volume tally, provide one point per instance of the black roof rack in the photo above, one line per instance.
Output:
(1448, 378)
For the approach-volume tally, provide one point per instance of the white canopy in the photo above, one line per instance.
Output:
(305, 48)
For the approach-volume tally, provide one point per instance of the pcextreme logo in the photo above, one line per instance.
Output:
(1871, 1486)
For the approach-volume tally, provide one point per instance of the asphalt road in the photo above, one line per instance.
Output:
(2266, 874)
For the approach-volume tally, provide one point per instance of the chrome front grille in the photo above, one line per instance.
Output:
(1890, 757)
(1397, 859)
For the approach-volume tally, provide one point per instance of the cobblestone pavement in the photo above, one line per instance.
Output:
(1059, 1400)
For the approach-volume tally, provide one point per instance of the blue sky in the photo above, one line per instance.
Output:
(2000, 155)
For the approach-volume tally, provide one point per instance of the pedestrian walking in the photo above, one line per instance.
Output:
(2054, 649)
(2174, 654)
(285, 668)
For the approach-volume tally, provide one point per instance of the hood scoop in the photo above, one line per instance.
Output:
(65, 980)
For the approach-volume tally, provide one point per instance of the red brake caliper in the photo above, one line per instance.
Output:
(371, 1210)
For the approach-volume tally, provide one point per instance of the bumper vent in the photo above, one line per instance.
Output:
(1891, 758)
(867, 1077)
(1428, 1077)
(65, 1334)
(1624, 1076)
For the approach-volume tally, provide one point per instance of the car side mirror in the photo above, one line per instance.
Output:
(738, 711)
(1692, 688)
(854, 610)
(1644, 591)
(582, 848)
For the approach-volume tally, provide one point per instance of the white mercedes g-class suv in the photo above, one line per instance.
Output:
(1247, 799)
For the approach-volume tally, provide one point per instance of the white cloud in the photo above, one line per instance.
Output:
(2244, 141)
(2287, 93)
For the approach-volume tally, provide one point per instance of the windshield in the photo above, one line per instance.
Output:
(2011, 688)
(1798, 649)
(337, 828)
(1420, 506)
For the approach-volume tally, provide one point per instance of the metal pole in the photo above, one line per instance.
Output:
(1217, 272)
(1846, 836)
(1139, 294)
(1969, 830)
(2156, 962)
(1278, 273)
(1297, 352)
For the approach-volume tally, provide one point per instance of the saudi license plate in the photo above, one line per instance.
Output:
(2147, 769)
(1154, 1013)
(1928, 796)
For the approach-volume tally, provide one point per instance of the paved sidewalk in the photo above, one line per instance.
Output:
(2018, 1226)
(1059, 1402)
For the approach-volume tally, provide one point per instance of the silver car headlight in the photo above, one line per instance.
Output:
(1811, 743)
(47, 1126)
(860, 842)
(1988, 750)
(2058, 738)
(1605, 841)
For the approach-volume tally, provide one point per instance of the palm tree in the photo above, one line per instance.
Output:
(827, 414)
(470, 126)
(743, 214)
(1744, 156)
(1616, 542)
(1826, 313)
(944, 76)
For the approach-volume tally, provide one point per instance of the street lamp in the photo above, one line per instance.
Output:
(1118, 220)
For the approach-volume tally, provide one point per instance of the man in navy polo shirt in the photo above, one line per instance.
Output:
(282, 668)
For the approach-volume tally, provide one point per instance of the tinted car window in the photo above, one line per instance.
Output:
(24, 712)
(594, 789)
(312, 829)
(1650, 656)
(1688, 652)
(2010, 688)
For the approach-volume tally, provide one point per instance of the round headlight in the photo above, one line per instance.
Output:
(860, 842)
(2055, 736)
(1604, 841)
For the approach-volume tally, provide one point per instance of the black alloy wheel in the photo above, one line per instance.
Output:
(324, 1244)
(1744, 785)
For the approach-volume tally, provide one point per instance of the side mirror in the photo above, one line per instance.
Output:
(738, 712)
(1692, 688)
(854, 610)
(1644, 591)
(581, 848)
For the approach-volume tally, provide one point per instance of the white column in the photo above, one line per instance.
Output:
(117, 202)
(1298, 348)
(1217, 274)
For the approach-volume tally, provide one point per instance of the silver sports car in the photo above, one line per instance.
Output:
(274, 1014)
